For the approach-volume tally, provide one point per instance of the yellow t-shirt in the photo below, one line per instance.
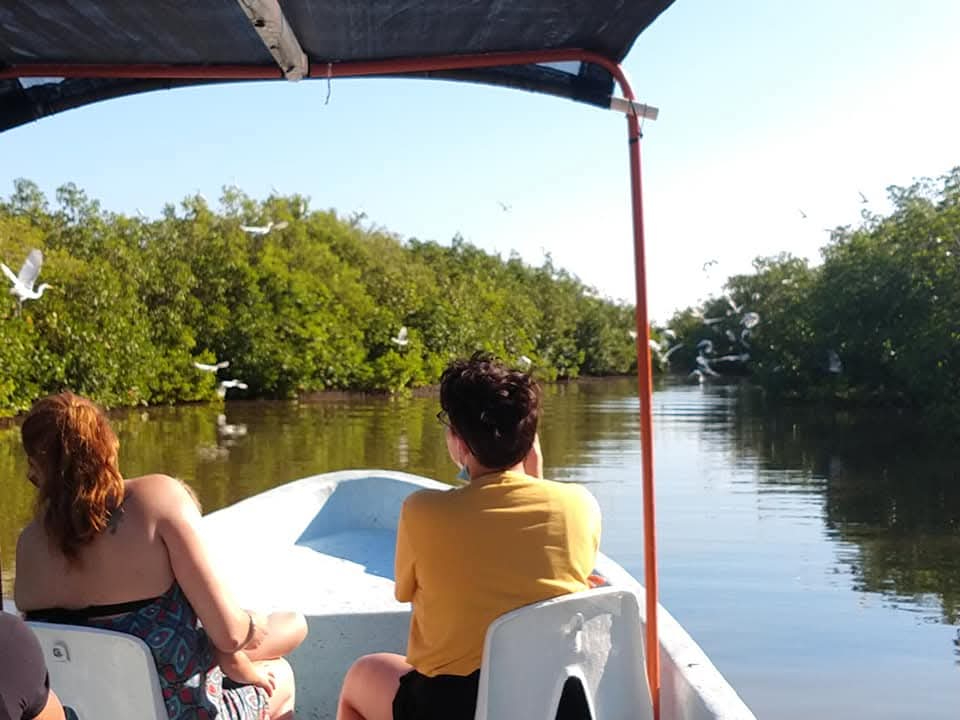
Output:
(469, 555)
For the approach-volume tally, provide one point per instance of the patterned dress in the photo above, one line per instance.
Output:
(193, 686)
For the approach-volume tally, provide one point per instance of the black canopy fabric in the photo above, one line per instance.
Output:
(219, 32)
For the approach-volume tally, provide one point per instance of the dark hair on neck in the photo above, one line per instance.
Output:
(494, 410)
(75, 452)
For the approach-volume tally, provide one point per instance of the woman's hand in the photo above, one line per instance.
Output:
(267, 681)
(533, 462)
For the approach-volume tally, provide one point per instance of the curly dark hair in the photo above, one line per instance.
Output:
(494, 409)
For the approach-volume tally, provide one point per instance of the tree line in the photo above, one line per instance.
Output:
(877, 322)
(296, 300)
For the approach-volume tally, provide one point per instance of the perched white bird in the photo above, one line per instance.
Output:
(401, 338)
(230, 431)
(525, 362)
(750, 320)
(670, 334)
(632, 334)
(834, 364)
(264, 229)
(705, 347)
(731, 336)
(655, 346)
(211, 368)
(24, 282)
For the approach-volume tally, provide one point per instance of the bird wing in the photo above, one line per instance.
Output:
(31, 269)
(255, 229)
(402, 335)
(281, 225)
(9, 273)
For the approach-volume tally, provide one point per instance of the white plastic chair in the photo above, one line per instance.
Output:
(101, 674)
(592, 639)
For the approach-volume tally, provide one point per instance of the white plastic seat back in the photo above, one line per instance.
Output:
(101, 674)
(594, 638)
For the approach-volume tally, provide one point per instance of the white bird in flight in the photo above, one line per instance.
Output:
(264, 229)
(211, 368)
(750, 320)
(401, 338)
(24, 282)
(228, 384)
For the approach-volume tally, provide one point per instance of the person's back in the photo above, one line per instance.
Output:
(127, 555)
(503, 541)
(126, 562)
(467, 556)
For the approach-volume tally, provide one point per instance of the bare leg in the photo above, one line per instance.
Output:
(285, 631)
(280, 705)
(369, 687)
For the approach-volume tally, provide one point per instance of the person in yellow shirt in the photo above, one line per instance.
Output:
(469, 555)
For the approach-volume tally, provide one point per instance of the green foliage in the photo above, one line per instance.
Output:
(311, 305)
(885, 302)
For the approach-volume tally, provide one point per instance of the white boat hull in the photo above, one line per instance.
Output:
(324, 546)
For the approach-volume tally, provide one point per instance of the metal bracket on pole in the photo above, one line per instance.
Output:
(271, 25)
(631, 107)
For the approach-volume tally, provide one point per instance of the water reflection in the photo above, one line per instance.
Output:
(802, 549)
(891, 496)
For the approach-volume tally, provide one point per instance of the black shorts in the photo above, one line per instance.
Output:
(442, 697)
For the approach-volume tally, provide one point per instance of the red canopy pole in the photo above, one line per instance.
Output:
(645, 379)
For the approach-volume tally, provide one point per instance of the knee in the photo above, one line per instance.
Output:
(295, 624)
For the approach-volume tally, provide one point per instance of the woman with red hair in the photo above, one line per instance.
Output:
(126, 555)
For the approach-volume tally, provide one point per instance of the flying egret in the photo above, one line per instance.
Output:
(264, 229)
(24, 282)
(229, 384)
(671, 351)
(733, 306)
(863, 198)
(211, 368)
(705, 366)
(401, 339)
(506, 207)
(750, 320)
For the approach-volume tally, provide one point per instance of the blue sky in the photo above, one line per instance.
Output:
(767, 108)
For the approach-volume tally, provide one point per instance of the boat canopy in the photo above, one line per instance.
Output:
(45, 44)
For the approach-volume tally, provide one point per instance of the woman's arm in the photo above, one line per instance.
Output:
(229, 627)
(405, 579)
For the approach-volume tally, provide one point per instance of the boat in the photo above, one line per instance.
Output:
(333, 534)
(325, 545)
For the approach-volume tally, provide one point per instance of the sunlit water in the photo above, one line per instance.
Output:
(814, 557)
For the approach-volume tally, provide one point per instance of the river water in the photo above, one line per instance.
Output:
(814, 556)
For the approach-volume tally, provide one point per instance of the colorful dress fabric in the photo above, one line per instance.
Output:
(193, 686)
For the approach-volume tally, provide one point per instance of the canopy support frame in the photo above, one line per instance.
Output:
(402, 66)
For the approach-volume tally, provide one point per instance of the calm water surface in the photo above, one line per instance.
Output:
(814, 557)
